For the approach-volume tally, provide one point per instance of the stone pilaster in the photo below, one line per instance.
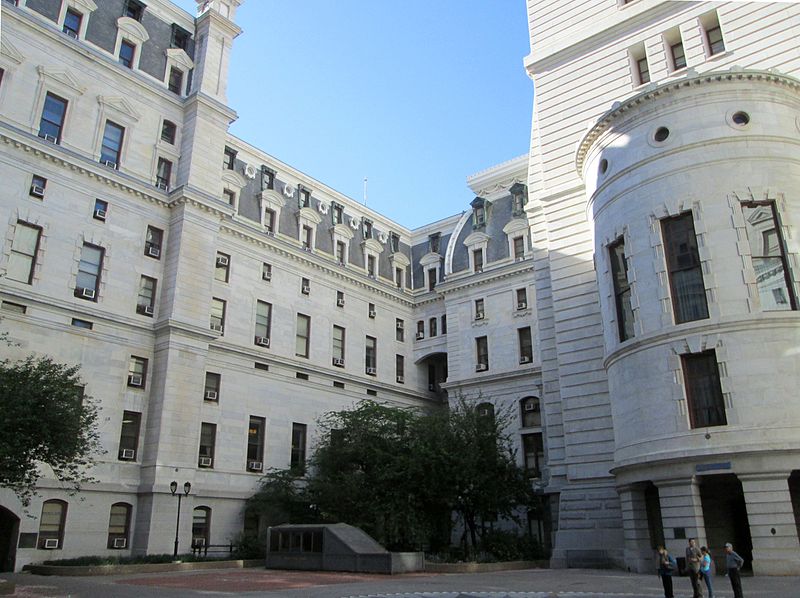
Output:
(681, 508)
(638, 553)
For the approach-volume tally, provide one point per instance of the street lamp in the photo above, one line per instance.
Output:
(173, 487)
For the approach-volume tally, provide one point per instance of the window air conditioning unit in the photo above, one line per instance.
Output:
(222, 260)
(255, 465)
(400, 325)
(372, 313)
(306, 289)
(481, 367)
(127, 454)
(400, 379)
(162, 185)
(269, 233)
(372, 371)
(216, 327)
(198, 542)
(49, 138)
(109, 163)
(531, 406)
(211, 395)
(204, 462)
(340, 303)
(50, 543)
(266, 276)
(432, 387)
(420, 336)
(86, 293)
(134, 380)
(262, 341)
(71, 33)
(147, 310)
(37, 191)
(100, 213)
(479, 315)
(338, 362)
(154, 251)
(525, 359)
(120, 542)
(522, 305)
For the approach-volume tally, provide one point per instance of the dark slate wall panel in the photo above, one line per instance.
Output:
(249, 204)
(154, 53)
(102, 28)
(460, 252)
(47, 8)
(498, 241)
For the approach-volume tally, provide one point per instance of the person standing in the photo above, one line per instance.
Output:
(693, 558)
(666, 568)
(734, 563)
(705, 569)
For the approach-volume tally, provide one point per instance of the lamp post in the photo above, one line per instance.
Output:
(173, 487)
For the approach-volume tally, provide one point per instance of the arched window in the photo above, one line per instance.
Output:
(531, 415)
(51, 524)
(485, 410)
(201, 526)
(119, 523)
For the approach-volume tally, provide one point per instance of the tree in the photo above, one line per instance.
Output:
(44, 418)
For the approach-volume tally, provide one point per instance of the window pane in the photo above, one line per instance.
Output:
(703, 390)
(768, 258)
(683, 262)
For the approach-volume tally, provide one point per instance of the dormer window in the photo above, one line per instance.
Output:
(337, 214)
(477, 260)
(127, 52)
(304, 198)
(367, 228)
(478, 212)
(519, 197)
(180, 37)
(133, 9)
(175, 83)
(229, 163)
(72, 23)
(267, 178)
(433, 242)
(394, 242)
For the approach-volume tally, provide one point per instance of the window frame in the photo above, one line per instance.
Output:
(59, 126)
(622, 289)
(679, 308)
(137, 366)
(692, 383)
(481, 353)
(142, 306)
(297, 459)
(303, 337)
(525, 344)
(263, 321)
(217, 315)
(58, 533)
(134, 419)
(97, 276)
(212, 386)
(338, 346)
(371, 355)
(109, 151)
(29, 258)
(207, 446)
(126, 526)
(255, 449)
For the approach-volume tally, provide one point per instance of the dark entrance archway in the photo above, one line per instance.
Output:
(9, 532)
(725, 515)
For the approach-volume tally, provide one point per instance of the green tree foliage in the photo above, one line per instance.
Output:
(401, 475)
(44, 419)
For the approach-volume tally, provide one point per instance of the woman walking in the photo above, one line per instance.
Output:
(667, 565)
(705, 569)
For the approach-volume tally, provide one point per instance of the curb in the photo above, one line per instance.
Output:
(95, 570)
(484, 567)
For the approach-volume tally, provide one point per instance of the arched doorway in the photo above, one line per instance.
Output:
(9, 532)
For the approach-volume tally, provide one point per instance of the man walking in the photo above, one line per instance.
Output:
(693, 558)
(734, 563)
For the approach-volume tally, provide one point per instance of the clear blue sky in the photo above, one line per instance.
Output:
(415, 95)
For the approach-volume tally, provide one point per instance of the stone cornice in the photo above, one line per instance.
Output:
(526, 372)
(492, 274)
(734, 75)
(499, 177)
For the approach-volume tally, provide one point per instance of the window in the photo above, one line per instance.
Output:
(304, 197)
(298, 458)
(22, 259)
(371, 311)
(485, 410)
(399, 330)
(119, 521)
(337, 214)
(2, 72)
(768, 256)
(175, 81)
(168, 131)
(111, 149)
(367, 228)
(303, 335)
(263, 323)
(266, 271)
(229, 196)
(480, 312)
(477, 260)
(145, 303)
(38, 185)
(100, 210)
(137, 372)
(341, 252)
(51, 524)
(685, 273)
(212, 386)
(478, 212)
(217, 323)
(127, 51)
(308, 238)
(339, 298)
(163, 174)
(444, 324)
(371, 355)
(678, 56)
(525, 345)
(180, 37)
(433, 242)
(305, 286)
(705, 402)
(482, 353)
(643, 70)
(88, 281)
(531, 413)
(222, 267)
(208, 438)
(394, 242)
(129, 435)
(432, 327)
(400, 369)
(85, 324)
(519, 248)
(229, 163)
(72, 23)
(420, 329)
(267, 178)
(371, 266)
(269, 220)
(432, 275)
(152, 242)
(533, 451)
(398, 277)
(133, 9)
(519, 197)
(255, 443)
(622, 289)
(52, 121)
(715, 43)
(522, 298)
(338, 346)
(201, 526)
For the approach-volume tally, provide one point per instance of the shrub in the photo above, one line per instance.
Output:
(503, 545)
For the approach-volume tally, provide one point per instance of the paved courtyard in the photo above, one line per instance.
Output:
(538, 583)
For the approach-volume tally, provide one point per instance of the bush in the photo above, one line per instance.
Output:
(502, 545)
(249, 546)
(94, 561)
